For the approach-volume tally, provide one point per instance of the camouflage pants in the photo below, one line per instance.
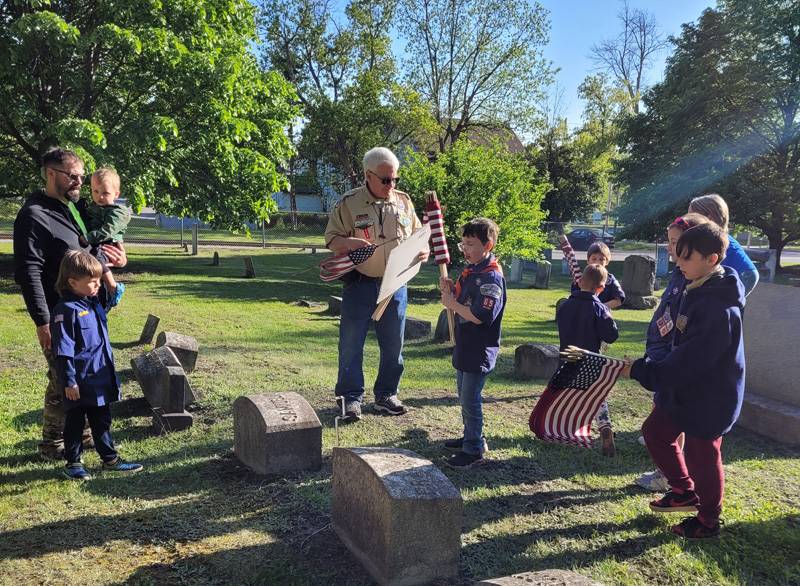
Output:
(53, 416)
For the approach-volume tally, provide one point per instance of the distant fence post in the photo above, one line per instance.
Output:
(263, 233)
(195, 230)
(182, 232)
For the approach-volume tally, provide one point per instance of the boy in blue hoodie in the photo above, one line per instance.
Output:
(478, 300)
(699, 385)
(585, 321)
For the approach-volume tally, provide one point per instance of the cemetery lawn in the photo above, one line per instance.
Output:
(196, 516)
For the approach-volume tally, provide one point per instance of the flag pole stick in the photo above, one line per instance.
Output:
(575, 354)
(451, 325)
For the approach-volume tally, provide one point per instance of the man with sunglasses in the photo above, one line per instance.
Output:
(375, 213)
(47, 226)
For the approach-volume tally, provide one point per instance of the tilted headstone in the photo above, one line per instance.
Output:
(276, 433)
(169, 422)
(542, 279)
(148, 369)
(249, 269)
(442, 332)
(149, 330)
(542, 578)
(215, 260)
(559, 303)
(533, 360)
(171, 416)
(639, 275)
(417, 328)
(335, 305)
(185, 348)
(397, 513)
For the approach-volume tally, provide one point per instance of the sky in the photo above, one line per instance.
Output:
(577, 25)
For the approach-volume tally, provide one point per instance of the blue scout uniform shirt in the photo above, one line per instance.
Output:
(612, 290)
(583, 321)
(700, 383)
(662, 326)
(484, 291)
(83, 351)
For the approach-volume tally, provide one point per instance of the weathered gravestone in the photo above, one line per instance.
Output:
(249, 268)
(308, 303)
(149, 329)
(515, 275)
(542, 278)
(215, 259)
(772, 393)
(533, 360)
(398, 514)
(275, 433)
(171, 416)
(442, 332)
(638, 281)
(417, 328)
(542, 578)
(334, 305)
(167, 422)
(149, 372)
(185, 348)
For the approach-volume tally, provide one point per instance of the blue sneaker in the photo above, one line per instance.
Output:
(119, 465)
(117, 296)
(77, 472)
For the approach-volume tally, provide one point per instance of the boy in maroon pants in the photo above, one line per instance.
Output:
(699, 385)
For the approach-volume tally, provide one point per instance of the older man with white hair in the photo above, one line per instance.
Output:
(375, 213)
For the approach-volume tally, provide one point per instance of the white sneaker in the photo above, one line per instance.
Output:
(653, 481)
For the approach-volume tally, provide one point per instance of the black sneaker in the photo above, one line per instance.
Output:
(672, 501)
(694, 528)
(352, 409)
(390, 405)
(456, 445)
(77, 472)
(463, 460)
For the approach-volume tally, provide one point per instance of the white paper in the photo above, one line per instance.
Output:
(403, 263)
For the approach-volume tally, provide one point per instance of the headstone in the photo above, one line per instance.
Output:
(442, 333)
(175, 385)
(662, 261)
(417, 328)
(640, 301)
(772, 394)
(398, 514)
(515, 275)
(639, 275)
(534, 360)
(542, 578)
(559, 303)
(334, 305)
(185, 348)
(168, 422)
(149, 330)
(565, 267)
(215, 260)
(276, 433)
(542, 280)
(307, 303)
(249, 269)
(148, 369)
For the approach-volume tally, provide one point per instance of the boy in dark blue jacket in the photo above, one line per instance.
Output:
(699, 385)
(478, 300)
(585, 321)
(85, 364)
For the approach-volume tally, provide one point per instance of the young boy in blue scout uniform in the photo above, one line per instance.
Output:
(85, 364)
(478, 300)
(699, 385)
(585, 321)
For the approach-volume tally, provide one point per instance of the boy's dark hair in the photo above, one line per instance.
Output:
(599, 248)
(76, 264)
(707, 239)
(483, 229)
(595, 276)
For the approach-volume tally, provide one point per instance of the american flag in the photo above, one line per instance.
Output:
(334, 267)
(433, 216)
(564, 412)
(569, 254)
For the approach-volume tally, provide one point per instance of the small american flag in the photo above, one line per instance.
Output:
(433, 216)
(564, 412)
(334, 267)
(569, 254)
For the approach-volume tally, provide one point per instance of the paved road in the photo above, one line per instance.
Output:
(788, 256)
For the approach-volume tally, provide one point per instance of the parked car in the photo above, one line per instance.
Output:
(582, 238)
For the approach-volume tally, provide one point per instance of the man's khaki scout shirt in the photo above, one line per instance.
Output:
(359, 214)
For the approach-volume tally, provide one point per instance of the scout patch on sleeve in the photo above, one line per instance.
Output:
(84, 312)
(665, 324)
(681, 322)
(488, 302)
(491, 290)
(58, 319)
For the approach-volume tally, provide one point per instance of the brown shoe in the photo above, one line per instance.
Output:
(607, 438)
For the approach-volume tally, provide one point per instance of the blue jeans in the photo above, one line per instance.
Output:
(470, 386)
(358, 302)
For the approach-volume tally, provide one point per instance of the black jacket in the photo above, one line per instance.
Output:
(585, 322)
(43, 232)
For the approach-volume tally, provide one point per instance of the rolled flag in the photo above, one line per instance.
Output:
(433, 216)
(569, 254)
(334, 267)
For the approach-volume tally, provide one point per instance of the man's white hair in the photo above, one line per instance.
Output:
(378, 156)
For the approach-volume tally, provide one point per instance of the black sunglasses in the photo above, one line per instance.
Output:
(72, 176)
(386, 180)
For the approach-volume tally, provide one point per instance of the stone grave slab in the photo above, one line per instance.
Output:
(542, 278)
(215, 259)
(335, 305)
(634, 301)
(442, 332)
(249, 268)
(639, 275)
(275, 433)
(307, 303)
(168, 422)
(148, 369)
(417, 328)
(398, 514)
(535, 361)
(149, 329)
(185, 348)
(542, 578)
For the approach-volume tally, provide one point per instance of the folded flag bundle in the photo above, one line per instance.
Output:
(564, 412)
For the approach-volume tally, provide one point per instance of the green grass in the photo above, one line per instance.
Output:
(196, 516)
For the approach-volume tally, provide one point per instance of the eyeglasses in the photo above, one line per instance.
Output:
(386, 180)
(462, 245)
(72, 176)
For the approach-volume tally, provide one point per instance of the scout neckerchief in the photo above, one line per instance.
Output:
(490, 266)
